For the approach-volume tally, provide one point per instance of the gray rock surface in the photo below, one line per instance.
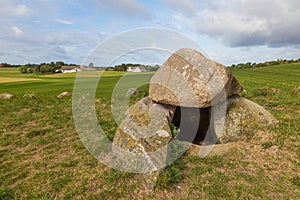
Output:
(146, 125)
(198, 96)
(189, 79)
(242, 115)
(146, 131)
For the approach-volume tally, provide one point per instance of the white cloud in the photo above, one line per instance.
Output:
(17, 30)
(128, 8)
(64, 22)
(252, 22)
(22, 10)
(31, 32)
(12, 8)
(71, 46)
(187, 7)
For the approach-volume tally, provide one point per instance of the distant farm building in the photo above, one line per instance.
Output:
(72, 69)
(5, 65)
(84, 68)
(137, 69)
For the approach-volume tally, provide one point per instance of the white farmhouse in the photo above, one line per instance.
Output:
(70, 69)
(137, 69)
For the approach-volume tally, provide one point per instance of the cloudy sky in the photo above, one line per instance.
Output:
(231, 31)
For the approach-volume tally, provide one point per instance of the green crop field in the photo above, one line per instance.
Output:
(42, 156)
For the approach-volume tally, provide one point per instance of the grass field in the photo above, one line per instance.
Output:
(42, 157)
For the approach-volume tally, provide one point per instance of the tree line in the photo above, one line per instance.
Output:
(42, 68)
(54, 67)
(263, 64)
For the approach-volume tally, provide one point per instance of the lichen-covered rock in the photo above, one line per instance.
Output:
(190, 79)
(242, 115)
(146, 131)
(6, 96)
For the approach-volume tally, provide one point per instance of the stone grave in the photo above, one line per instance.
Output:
(197, 96)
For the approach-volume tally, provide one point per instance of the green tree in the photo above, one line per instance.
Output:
(240, 66)
(124, 68)
(120, 67)
(23, 69)
(37, 69)
(47, 69)
(248, 65)
(59, 64)
(30, 70)
(91, 65)
(52, 64)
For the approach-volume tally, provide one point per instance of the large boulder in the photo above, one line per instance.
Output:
(145, 131)
(189, 79)
(146, 124)
(242, 115)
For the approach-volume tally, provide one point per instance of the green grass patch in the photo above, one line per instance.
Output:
(42, 156)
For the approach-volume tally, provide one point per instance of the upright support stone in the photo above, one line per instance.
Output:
(242, 116)
(146, 131)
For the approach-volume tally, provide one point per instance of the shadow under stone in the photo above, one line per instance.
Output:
(194, 125)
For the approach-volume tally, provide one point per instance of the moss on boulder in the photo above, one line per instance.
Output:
(242, 116)
(145, 131)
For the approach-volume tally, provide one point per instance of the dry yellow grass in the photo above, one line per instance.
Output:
(11, 80)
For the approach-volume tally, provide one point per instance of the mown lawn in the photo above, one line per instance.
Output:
(42, 157)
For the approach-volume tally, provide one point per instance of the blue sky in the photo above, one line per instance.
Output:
(231, 31)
